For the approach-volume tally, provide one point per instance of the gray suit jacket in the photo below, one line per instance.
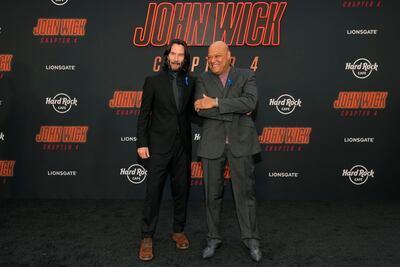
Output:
(229, 119)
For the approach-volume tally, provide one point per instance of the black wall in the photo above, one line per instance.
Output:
(308, 64)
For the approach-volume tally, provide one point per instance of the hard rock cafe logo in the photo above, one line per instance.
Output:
(361, 68)
(196, 137)
(202, 23)
(60, 31)
(136, 173)
(126, 103)
(6, 169)
(62, 138)
(358, 174)
(61, 102)
(285, 104)
(5, 64)
(197, 174)
(288, 139)
(59, 2)
(360, 104)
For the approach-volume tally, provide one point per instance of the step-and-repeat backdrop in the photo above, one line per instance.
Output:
(71, 76)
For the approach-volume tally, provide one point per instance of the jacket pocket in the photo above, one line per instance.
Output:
(246, 121)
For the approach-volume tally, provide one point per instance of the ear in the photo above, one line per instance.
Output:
(229, 58)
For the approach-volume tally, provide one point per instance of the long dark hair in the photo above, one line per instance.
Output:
(186, 61)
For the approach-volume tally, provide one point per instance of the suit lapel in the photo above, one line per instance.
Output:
(230, 82)
(217, 82)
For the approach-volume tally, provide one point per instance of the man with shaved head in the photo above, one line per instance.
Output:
(225, 98)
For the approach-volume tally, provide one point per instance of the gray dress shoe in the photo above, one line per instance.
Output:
(209, 250)
(254, 248)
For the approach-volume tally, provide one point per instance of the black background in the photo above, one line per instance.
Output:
(308, 64)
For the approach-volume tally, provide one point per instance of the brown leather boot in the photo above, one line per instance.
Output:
(146, 249)
(181, 240)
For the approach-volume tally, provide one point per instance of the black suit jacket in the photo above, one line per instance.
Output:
(160, 120)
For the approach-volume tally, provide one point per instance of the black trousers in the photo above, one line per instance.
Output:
(176, 163)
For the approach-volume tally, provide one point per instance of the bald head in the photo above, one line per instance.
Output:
(219, 57)
(221, 45)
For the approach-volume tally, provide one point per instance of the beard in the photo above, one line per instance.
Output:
(175, 65)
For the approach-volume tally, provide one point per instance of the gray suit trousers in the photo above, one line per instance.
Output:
(243, 180)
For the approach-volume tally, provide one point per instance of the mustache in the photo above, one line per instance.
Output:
(176, 62)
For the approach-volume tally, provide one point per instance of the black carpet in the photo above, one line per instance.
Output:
(106, 233)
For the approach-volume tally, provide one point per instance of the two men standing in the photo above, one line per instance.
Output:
(225, 99)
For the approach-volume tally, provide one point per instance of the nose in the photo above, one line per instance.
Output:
(212, 59)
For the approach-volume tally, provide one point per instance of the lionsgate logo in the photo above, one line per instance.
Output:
(60, 67)
(285, 104)
(136, 173)
(129, 139)
(362, 31)
(59, 2)
(62, 102)
(283, 174)
(361, 68)
(358, 139)
(358, 174)
(62, 173)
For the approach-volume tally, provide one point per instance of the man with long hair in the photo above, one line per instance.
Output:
(164, 143)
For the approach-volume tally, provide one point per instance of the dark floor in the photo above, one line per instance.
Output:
(106, 233)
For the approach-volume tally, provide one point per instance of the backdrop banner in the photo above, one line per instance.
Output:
(71, 77)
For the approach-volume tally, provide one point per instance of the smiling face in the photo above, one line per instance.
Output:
(219, 57)
(176, 57)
